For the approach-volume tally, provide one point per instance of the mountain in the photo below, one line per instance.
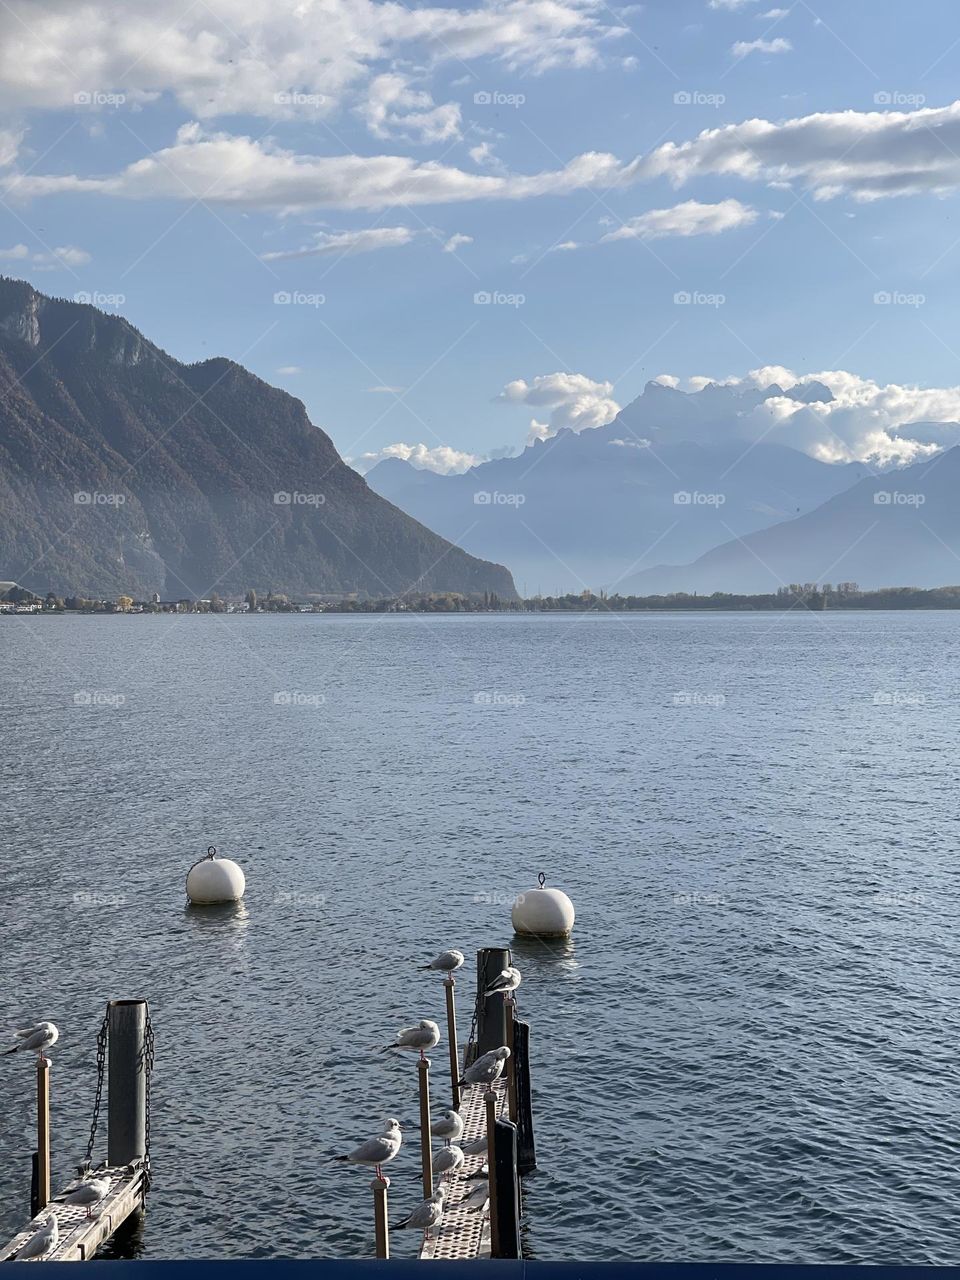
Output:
(666, 480)
(899, 529)
(123, 470)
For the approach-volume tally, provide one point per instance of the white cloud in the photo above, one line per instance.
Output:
(14, 254)
(744, 47)
(9, 146)
(440, 458)
(773, 15)
(455, 242)
(289, 369)
(729, 5)
(64, 256)
(394, 110)
(391, 391)
(688, 219)
(577, 402)
(346, 242)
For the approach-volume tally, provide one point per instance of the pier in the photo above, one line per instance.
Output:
(80, 1237)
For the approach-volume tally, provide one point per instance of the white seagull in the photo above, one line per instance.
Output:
(425, 1035)
(477, 1201)
(447, 1160)
(426, 1215)
(377, 1151)
(475, 1147)
(36, 1039)
(90, 1192)
(487, 1068)
(445, 962)
(449, 1128)
(505, 983)
(42, 1241)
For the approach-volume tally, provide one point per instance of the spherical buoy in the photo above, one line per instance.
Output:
(545, 913)
(215, 879)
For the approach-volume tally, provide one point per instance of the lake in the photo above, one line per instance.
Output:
(747, 1052)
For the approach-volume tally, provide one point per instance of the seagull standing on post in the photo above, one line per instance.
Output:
(506, 982)
(377, 1151)
(36, 1039)
(425, 1035)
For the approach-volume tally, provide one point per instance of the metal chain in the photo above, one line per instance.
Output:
(149, 1048)
(101, 1065)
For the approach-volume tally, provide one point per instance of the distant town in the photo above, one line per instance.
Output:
(816, 597)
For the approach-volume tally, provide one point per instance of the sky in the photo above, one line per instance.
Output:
(451, 229)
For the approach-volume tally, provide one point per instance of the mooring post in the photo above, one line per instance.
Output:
(42, 1197)
(490, 1103)
(426, 1145)
(450, 987)
(491, 1014)
(505, 1177)
(381, 1229)
(127, 1081)
(511, 1044)
(526, 1149)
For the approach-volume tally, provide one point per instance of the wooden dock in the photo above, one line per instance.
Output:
(81, 1237)
(465, 1233)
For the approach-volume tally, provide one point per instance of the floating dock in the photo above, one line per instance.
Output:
(80, 1236)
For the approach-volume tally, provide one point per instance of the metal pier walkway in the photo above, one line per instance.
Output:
(81, 1237)
(465, 1233)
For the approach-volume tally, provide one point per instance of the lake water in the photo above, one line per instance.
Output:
(748, 1050)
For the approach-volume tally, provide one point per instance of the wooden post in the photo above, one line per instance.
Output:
(450, 986)
(490, 1101)
(491, 1020)
(43, 1134)
(127, 1081)
(380, 1220)
(426, 1152)
(511, 1043)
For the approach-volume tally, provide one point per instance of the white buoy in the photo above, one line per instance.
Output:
(545, 913)
(215, 879)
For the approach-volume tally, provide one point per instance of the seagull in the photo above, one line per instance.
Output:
(377, 1151)
(487, 1068)
(446, 962)
(425, 1035)
(42, 1241)
(90, 1192)
(506, 982)
(449, 1128)
(475, 1147)
(477, 1201)
(447, 1160)
(482, 1172)
(36, 1039)
(426, 1215)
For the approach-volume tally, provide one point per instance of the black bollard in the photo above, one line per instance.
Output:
(491, 1013)
(127, 1081)
(505, 1201)
(526, 1149)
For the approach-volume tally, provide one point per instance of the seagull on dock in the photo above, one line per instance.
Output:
(449, 1128)
(377, 1151)
(43, 1241)
(487, 1068)
(425, 1035)
(478, 1201)
(89, 1193)
(447, 1160)
(475, 1147)
(505, 983)
(36, 1039)
(446, 962)
(427, 1215)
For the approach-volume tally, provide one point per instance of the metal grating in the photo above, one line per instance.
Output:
(80, 1237)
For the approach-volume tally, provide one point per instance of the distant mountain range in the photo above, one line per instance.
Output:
(666, 481)
(124, 471)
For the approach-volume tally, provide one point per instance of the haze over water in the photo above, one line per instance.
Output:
(745, 1053)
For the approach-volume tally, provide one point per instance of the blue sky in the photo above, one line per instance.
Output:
(198, 160)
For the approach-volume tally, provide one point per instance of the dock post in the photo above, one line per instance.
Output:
(379, 1188)
(127, 1087)
(504, 1183)
(491, 1014)
(426, 1145)
(42, 1198)
(450, 987)
(510, 1042)
(490, 1103)
(526, 1148)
